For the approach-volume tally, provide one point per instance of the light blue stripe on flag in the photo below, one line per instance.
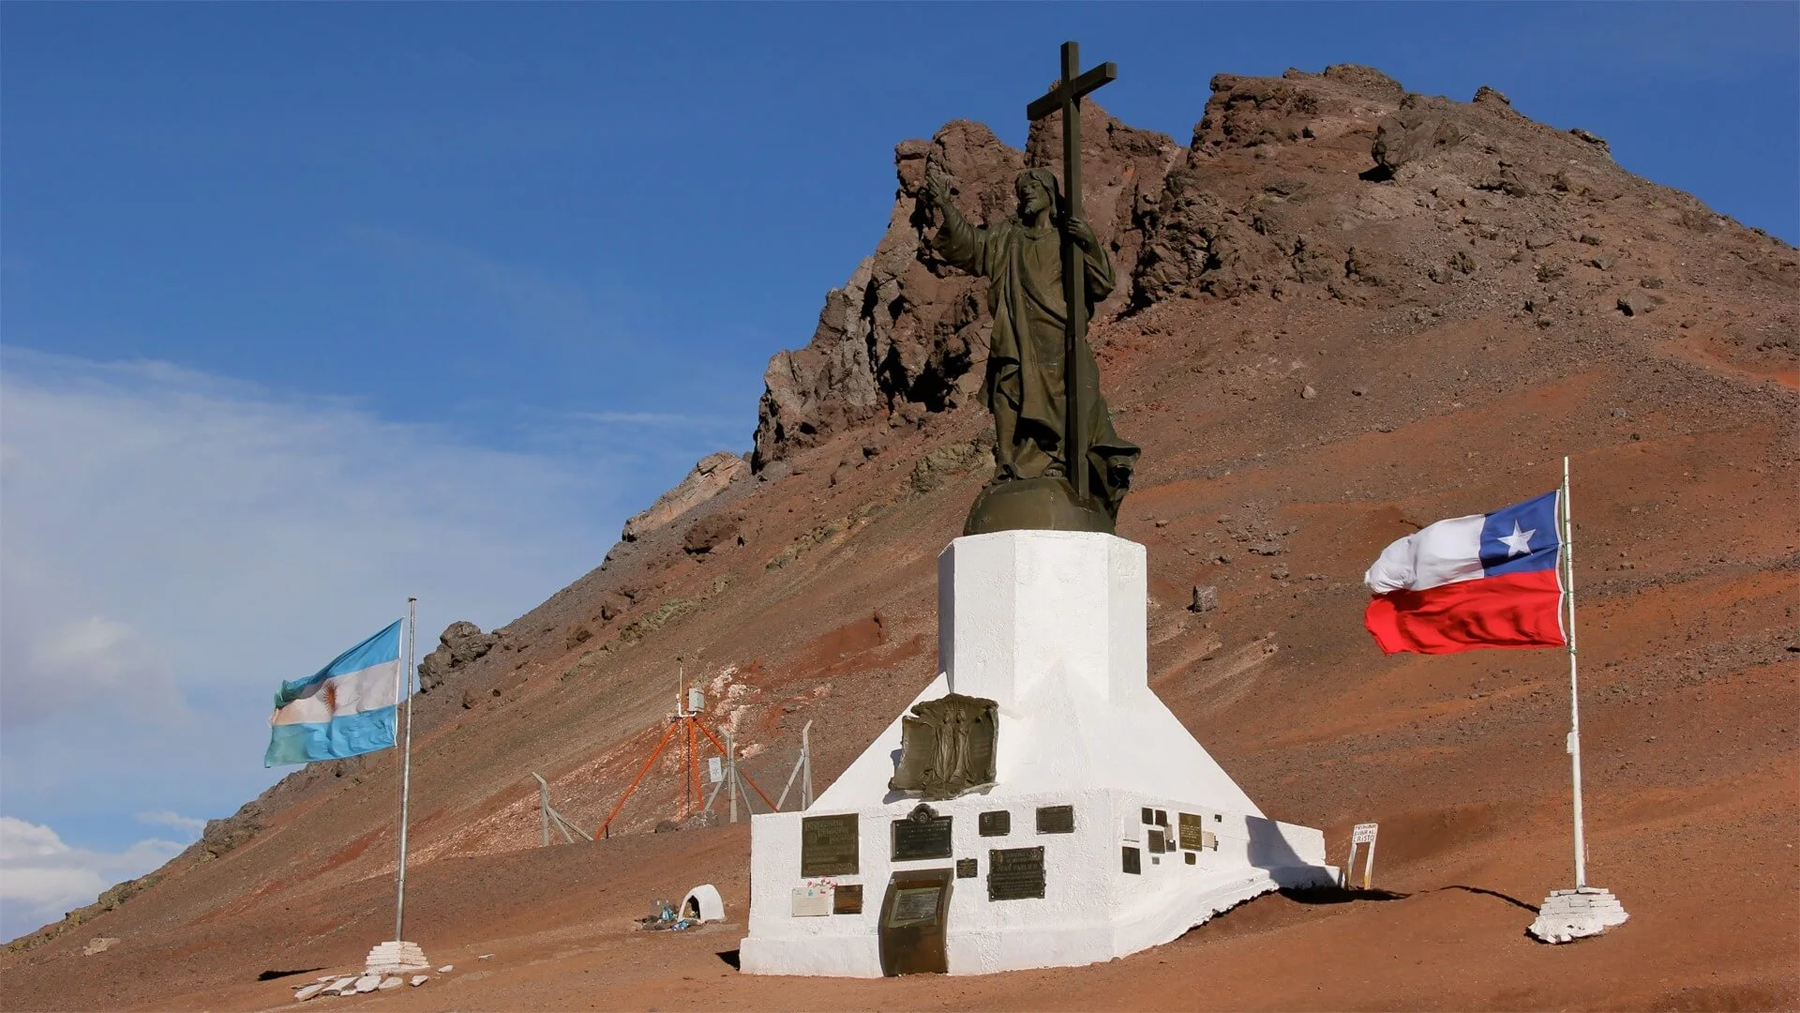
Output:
(345, 709)
(331, 740)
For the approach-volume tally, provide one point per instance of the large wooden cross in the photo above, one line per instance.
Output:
(1065, 97)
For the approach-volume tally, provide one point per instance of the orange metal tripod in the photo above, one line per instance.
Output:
(692, 723)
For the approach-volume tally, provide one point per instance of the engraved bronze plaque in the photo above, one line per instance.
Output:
(966, 868)
(1015, 873)
(1155, 840)
(1131, 861)
(911, 929)
(1189, 854)
(847, 899)
(1149, 816)
(1056, 819)
(994, 824)
(924, 834)
(1162, 818)
(1190, 829)
(828, 845)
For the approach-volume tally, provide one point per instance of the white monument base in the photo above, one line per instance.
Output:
(1568, 915)
(1143, 836)
(393, 956)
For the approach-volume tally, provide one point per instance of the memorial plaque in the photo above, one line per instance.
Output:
(1162, 818)
(1190, 857)
(1155, 839)
(1189, 827)
(994, 824)
(923, 834)
(848, 899)
(911, 928)
(810, 901)
(1056, 819)
(828, 845)
(1016, 873)
(966, 868)
(1131, 861)
(1149, 816)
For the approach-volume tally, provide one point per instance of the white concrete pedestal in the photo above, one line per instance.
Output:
(1051, 626)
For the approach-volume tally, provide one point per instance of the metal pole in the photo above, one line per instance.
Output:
(1574, 691)
(731, 772)
(806, 788)
(412, 629)
(543, 806)
(1074, 278)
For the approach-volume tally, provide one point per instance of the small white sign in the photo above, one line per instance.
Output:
(813, 901)
(1364, 833)
(715, 769)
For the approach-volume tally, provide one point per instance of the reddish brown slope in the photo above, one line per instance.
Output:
(1452, 282)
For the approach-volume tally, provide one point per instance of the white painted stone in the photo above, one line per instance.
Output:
(447, 968)
(703, 904)
(339, 986)
(393, 957)
(419, 979)
(1051, 626)
(309, 991)
(390, 983)
(368, 983)
(1568, 915)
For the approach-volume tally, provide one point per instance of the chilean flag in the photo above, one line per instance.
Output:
(1488, 580)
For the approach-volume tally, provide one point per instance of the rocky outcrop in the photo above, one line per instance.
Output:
(709, 477)
(459, 644)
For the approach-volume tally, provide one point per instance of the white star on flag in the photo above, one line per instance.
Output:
(1517, 542)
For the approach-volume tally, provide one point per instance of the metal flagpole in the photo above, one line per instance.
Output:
(412, 620)
(1574, 692)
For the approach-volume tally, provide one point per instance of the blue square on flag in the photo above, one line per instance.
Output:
(1521, 537)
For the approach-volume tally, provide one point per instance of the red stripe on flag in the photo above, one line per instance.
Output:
(1511, 610)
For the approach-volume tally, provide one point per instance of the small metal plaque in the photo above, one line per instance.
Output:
(966, 868)
(994, 824)
(1188, 854)
(915, 904)
(848, 899)
(828, 845)
(1015, 873)
(1056, 819)
(810, 901)
(1189, 827)
(1131, 861)
(1162, 817)
(1149, 816)
(924, 834)
(1155, 839)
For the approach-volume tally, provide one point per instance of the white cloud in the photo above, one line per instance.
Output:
(42, 877)
(177, 543)
(194, 825)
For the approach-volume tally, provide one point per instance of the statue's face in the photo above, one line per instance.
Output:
(1033, 195)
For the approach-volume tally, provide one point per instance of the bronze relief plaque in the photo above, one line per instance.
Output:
(1015, 873)
(1056, 819)
(1190, 828)
(1131, 861)
(966, 868)
(923, 834)
(947, 747)
(846, 899)
(828, 845)
(994, 824)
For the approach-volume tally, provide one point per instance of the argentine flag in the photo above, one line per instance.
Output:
(345, 709)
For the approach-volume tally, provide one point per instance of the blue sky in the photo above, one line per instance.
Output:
(304, 308)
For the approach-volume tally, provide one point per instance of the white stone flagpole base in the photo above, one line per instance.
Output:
(1568, 915)
(393, 957)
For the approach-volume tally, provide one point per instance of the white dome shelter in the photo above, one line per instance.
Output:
(1107, 828)
(702, 904)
